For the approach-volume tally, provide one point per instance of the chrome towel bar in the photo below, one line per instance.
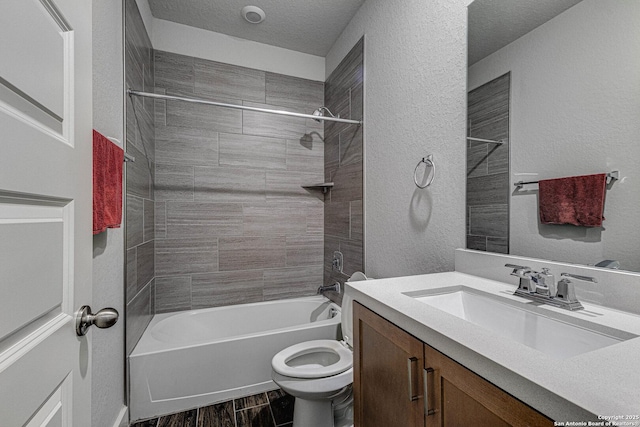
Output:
(611, 176)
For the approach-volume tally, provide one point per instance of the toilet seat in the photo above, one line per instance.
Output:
(313, 359)
(314, 388)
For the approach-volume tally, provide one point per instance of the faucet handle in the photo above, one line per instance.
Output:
(577, 276)
(524, 274)
(517, 269)
(566, 289)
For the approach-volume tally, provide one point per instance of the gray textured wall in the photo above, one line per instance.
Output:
(415, 103)
(107, 376)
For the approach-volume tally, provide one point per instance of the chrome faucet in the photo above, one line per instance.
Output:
(539, 287)
(324, 288)
(544, 282)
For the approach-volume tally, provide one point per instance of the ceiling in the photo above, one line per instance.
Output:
(493, 24)
(308, 26)
(312, 26)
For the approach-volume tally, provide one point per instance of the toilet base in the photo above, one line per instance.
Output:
(343, 409)
(333, 412)
(312, 413)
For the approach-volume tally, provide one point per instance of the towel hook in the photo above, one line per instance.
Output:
(428, 161)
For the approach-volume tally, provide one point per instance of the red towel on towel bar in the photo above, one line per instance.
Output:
(107, 183)
(577, 200)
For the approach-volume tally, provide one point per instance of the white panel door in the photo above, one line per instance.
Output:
(45, 211)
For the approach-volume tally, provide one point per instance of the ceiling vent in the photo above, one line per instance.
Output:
(253, 14)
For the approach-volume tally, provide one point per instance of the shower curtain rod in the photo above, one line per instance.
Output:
(489, 141)
(240, 107)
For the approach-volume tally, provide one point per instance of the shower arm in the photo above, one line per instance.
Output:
(132, 92)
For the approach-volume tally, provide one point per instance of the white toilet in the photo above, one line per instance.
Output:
(319, 375)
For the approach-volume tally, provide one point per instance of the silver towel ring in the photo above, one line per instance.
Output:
(428, 161)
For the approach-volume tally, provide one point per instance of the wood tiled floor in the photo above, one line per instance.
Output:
(271, 409)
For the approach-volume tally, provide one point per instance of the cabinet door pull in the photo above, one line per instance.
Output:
(410, 362)
(425, 373)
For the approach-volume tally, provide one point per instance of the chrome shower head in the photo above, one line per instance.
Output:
(319, 112)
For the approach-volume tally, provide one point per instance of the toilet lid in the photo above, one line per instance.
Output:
(313, 359)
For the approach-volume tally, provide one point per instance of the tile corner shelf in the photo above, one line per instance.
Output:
(324, 186)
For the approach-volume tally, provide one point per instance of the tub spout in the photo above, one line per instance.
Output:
(335, 288)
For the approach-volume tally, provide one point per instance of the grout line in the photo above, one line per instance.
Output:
(273, 417)
(235, 417)
(254, 406)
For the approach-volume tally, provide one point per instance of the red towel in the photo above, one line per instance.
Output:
(577, 200)
(107, 183)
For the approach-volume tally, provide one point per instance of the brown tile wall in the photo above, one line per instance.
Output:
(232, 222)
(140, 212)
(343, 213)
(488, 167)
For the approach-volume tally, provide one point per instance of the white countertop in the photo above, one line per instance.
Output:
(603, 382)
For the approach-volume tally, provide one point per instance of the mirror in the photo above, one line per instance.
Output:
(573, 109)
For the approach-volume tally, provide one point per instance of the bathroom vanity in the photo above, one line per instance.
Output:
(392, 370)
(527, 364)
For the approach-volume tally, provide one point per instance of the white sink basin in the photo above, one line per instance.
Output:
(551, 336)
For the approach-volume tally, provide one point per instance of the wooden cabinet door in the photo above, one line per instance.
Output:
(387, 382)
(458, 397)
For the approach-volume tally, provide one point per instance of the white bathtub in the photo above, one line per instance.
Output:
(195, 358)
